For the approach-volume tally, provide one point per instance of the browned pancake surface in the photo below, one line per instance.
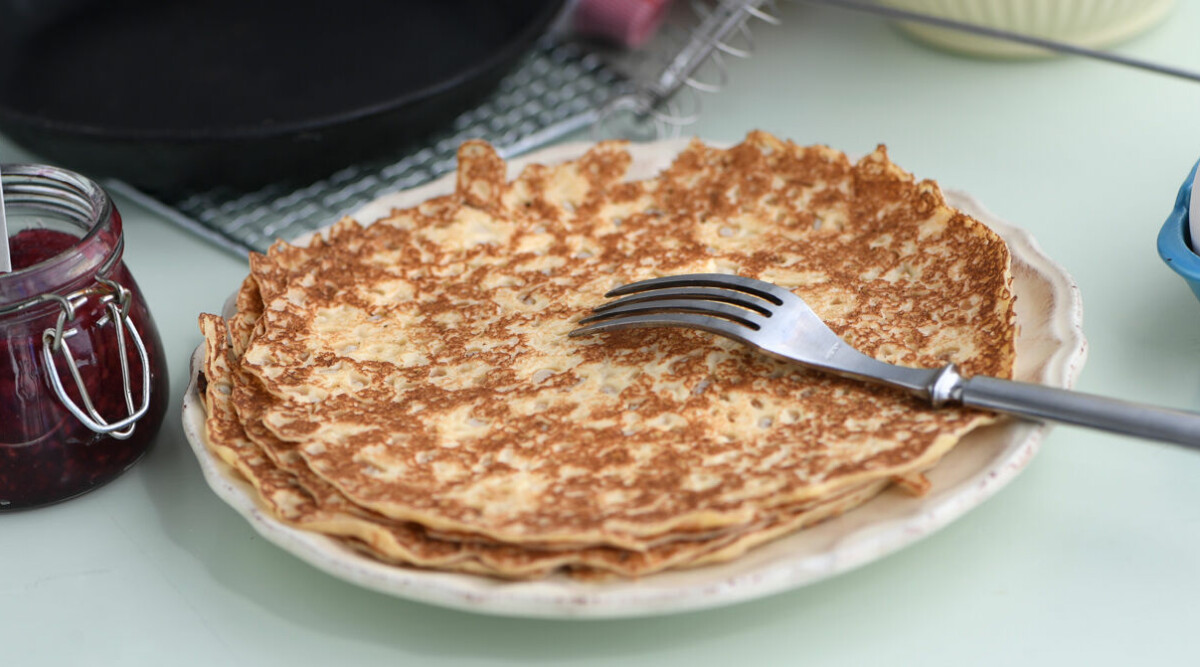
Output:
(420, 366)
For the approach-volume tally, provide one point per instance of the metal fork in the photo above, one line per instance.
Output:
(780, 324)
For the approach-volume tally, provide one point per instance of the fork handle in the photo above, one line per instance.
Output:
(1047, 403)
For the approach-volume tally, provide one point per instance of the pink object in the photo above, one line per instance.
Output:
(630, 23)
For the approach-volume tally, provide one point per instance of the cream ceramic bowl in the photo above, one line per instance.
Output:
(1089, 23)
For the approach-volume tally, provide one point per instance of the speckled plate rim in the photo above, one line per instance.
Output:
(1051, 349)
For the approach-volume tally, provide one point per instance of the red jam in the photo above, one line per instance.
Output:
(47, 454)
(33, 246)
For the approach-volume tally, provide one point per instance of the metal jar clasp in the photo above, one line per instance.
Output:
(116, 299)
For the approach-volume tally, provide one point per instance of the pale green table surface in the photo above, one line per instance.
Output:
(1091, 556)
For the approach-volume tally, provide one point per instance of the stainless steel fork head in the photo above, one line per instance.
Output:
(757, 313)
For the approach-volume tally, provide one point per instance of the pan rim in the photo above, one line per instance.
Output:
(511, 49)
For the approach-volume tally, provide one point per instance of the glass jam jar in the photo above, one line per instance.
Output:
(83, 385)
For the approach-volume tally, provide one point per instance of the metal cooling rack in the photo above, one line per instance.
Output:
(561, 88)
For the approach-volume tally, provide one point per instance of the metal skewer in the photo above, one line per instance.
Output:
(1049, 44)
(5, 258)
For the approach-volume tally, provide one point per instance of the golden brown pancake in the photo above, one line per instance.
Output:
(295, 496)
(417, 372)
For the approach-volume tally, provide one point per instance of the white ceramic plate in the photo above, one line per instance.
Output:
(1050, 349)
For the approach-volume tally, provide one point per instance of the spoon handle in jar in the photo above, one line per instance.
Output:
(5, 259)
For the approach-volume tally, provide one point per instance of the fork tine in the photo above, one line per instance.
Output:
(737, 298)
(713, 325)
(734, 314)
(773, 293)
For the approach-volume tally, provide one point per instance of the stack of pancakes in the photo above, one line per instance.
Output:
(409, 389)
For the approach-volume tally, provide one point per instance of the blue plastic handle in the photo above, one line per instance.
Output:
(1173, 244)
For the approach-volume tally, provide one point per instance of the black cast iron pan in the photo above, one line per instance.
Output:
(173, 95)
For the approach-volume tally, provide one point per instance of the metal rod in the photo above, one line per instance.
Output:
(5, 257)
(1060, 47)
(724, 18)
